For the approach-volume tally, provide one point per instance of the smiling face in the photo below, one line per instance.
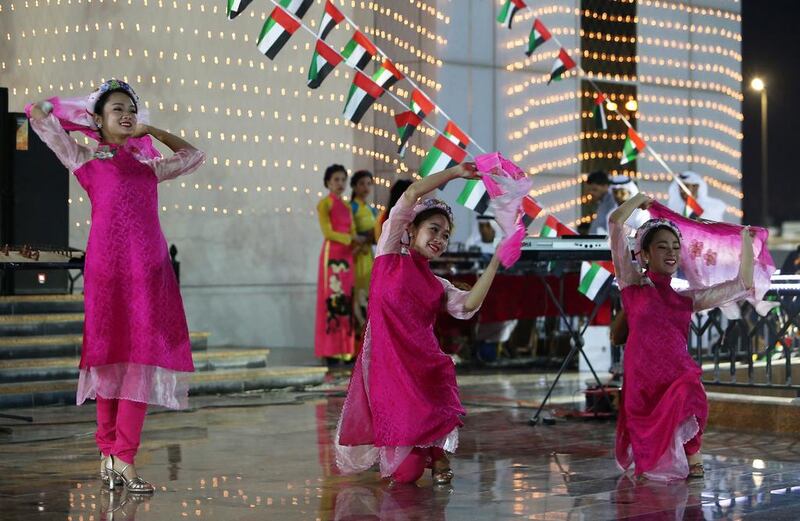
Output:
(337, 182)
(431, 236)
(663, 253)
(118, 119)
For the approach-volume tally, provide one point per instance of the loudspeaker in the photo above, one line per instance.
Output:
(34, 188)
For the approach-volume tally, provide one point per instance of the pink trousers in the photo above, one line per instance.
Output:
(119, 427)
(415, 464)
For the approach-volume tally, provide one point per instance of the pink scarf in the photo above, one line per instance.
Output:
(506, 185)
(710, 253)
(73, 116)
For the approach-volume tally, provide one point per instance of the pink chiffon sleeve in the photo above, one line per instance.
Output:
(456, 298)
(626, 272)
(718, 294)
(184, 161)
(391, 240)
(71, 154)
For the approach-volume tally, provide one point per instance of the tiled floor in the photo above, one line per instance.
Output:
(268, 456)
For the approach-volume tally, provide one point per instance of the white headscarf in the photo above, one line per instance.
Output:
(623, 182)
(475, 240)
(713, 209)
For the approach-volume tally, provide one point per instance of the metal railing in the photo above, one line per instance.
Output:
(752, 351)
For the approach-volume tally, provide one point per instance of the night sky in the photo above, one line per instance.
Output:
(770, 50)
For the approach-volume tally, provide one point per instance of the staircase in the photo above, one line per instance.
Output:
(40, 346)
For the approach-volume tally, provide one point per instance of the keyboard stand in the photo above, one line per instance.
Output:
(577, 347)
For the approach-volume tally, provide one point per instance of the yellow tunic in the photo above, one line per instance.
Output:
(364, 219)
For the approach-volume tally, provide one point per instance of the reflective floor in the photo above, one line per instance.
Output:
(268, 456)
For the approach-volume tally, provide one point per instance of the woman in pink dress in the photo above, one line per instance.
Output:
(664, 406)
(402, 408)
(136, 347)
(334, 337)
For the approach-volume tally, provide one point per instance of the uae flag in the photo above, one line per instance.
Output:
(550, 227)
(407, 122)
(562, 64)
(277, 30)
(509, 9)
(456, 135)
(599, 113)
(235, 7)
(632, 147)
(420, 104)
(564, 231)
(596, 278)
(324, 60)
(330, 19)
(359, 51)
(530, 209)
(296, 7)
(693, 207)
(444, 154)
(363, 93)
(474, 196)
(387, 74)
(539, 35)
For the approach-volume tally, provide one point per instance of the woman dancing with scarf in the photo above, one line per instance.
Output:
(402, 407)
(664, 406)
(136, 343)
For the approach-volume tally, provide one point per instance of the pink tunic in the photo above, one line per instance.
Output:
(135, 341)
(403, 392)
(334, 332)
(664, 405)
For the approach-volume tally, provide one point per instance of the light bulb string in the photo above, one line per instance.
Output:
(622, 117)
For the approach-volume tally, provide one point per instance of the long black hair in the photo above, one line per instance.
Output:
(358, 176)
(332, 170)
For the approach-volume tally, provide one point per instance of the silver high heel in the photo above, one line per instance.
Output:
(135, 485)
(104, 472)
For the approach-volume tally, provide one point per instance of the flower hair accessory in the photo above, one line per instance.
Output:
(429, 204)
(653, 224)
(110, 85)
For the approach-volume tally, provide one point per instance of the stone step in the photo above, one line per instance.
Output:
(40, 304)
(31, 394)
(65, 368)
(46, 346)
(41, 324)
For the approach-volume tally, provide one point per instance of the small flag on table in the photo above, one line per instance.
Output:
(359, 51)
(235, 7)
(406, 123)
(387, 74)
(363, 93)
(632, 147)
(509, 9)
(564, 230)
(324, 60)
(562, 64)
(530, 209)
(550, 227)
(444, 154)
(277, 30)
(330, 19)
(456, 135)
(474, 196)
(539, 35)
(599, 112)
(596, 278)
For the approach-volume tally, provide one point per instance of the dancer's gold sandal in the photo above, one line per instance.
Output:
(134, 485)
(696, 470)
(442, 475)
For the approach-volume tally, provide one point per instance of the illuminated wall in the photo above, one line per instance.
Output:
(245, 223)
(687, 84)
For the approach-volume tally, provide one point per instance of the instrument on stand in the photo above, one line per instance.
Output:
(577, 248)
